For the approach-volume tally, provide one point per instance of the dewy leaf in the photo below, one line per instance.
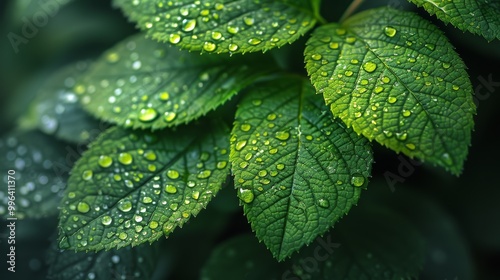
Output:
(234, 26)
(130, 188)
(56, 110)
(137, 262)
(144, 84)
(38, 173)
(396, 79)
(479, 17)
(297, 171)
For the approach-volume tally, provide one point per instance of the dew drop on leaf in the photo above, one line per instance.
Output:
(83, 207)
(246, 195)
(105, 161)
(390, 31)
(358, 180)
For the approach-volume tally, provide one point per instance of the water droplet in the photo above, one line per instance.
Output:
(125, 158)
(447, 159)
(358, 180)
(169, 116)
(410, 146)
(233, 29)
(282, 135)
(350, 39)
(280, 166)
(348, 73)
(245, 127)
(240, 145)
(138, 218)
(147, 200)
(340, 31)
(83, 207)
(147, 114)
(392, 99)
(216, 35)
(406, 113)
(150, 155)
(106, 220)
(189, 25)
(153, 224)
(122, 235)
(174, 38)
(221, 164)
(385, 79)
(402, 136)
(209, 46)
(455, 87)
(249, 21)
(254, 41)
(369, 66)
(112, 57)
(333, 45)
(195, 195)
(174, 206)
(378, 89)
(233, 47)
(170, 189)
(173, 174)
(430, 46)
(390, 31)
(323, 203)
(316, 56)
(204, 174)
(125, 205)
(246, 195)
(446, 65)
(87, 175)
(105, 161)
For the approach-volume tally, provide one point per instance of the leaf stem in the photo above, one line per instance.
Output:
(352, 7)
(316, 5)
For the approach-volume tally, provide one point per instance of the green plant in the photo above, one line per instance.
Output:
(205, 98)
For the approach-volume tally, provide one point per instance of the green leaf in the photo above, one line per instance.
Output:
(222, 26)
(56, 109)
(297, 171)
(36, 165)
(131, 187)
(478, 17)
(395, 78)
(137, 262)
(140, 83)
(374, 242)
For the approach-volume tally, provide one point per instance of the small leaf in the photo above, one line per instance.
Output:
(130, 187)
(140, 83)
(296, 170)
(56, 109)
(222, 26)
(478, 17)
(395, 78)
(38, 172)
(127, 263)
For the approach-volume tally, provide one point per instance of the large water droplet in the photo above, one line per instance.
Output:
(125, 158)
(322, 202)
(369, 66)
(240, 145)
(174, 38)
(147, 114)
(173, 174)
(358, 180)
(282, 135)
(188, 25)
(170, 189)
(390, 31)
(246, 195)
(125, 206)
(106, 220)
(87, 175)
(83, 207)
(105, 161)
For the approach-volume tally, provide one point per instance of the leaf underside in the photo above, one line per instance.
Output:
(395, 79)
(131, 188)
(224, 26)
(297, 171)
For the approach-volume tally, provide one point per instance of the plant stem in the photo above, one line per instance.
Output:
(352, 7)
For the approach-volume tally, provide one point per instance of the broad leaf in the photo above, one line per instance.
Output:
(140, 83)
(130, 188)
(127, 263)
(395, 78)
(38, 167)
(56, 110)
(222, 26)
(479, 17)
(297, 171)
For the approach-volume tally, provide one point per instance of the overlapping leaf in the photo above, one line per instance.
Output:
(479, 17)
(132, 188)
(222, 26)
(395, 78)
(144, 84)
(297, 171)
(39, 169)
(56, 110)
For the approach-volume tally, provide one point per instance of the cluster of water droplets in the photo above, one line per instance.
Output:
(223, 26)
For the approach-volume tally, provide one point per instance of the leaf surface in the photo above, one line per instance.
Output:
(394, 78)
(140, 83)
(478, 17)
(130, 188)
(297, 171)
(222, 26)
